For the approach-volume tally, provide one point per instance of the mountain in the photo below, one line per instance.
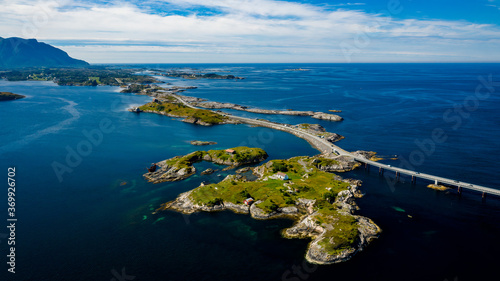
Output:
(17, 52)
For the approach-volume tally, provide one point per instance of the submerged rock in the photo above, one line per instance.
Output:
(208, 171)
(199, 143)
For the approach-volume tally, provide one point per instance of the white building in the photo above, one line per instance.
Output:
(282, 176)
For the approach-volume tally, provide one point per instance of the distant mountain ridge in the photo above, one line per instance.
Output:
(18, 52)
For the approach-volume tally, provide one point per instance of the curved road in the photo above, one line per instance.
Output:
(327, 147)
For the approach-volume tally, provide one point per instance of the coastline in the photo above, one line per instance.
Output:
(306, 215)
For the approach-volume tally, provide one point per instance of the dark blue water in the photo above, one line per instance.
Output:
(96, 215)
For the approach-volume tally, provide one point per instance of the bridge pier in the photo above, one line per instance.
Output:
(459, 190)
(413, 179)
(397, 175)
(436, 182)
(484, 196)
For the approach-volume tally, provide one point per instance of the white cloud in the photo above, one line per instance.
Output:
(244, 30)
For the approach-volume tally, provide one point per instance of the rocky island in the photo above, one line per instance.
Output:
(6, 96)
(224, 105)
(181, 167)
(170, 106)
(199, 143)
(188, 75)
(321, 204)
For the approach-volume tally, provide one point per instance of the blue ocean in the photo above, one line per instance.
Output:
(85, 212)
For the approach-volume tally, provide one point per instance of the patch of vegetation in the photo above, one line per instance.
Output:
(91, 76)
(344, 234)
(325, 162)
(177, 109)
(275, 193)
(242, 154)
(280, 166)
(186, 161)
(214, 202)
(329, 196)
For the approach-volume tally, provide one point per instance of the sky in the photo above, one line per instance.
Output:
(260, 31)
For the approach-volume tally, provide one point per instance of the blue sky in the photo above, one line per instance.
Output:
(239, 31)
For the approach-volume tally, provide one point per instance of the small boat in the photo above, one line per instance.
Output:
(152, 168)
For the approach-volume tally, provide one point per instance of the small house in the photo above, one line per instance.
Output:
(156, 100)
(230, 151)
(282, 176)
(248, 201)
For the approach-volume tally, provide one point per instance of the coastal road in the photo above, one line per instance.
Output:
(327, 147)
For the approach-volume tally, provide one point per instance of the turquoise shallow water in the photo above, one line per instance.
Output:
(86, 223)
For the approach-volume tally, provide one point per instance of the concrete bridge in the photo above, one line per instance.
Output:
(327, 147)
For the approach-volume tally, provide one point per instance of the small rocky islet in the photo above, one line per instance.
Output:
(202, 143)
(181, 167)
(8, 96)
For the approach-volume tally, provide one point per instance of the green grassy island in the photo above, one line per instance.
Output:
(181, 167)
(173, 108)
(321, 203)
(6, 96)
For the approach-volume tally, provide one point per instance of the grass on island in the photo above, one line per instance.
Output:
(185, 161)
(304, 126)
(325, 162)
(342, 236)
(180, 110)
(275, 193)
(242, 154)
(89, 76)
(341, 230)
(5, 96)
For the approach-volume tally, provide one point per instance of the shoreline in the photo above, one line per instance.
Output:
(305, 213)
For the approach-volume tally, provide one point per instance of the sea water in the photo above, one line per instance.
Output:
(85, 212)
